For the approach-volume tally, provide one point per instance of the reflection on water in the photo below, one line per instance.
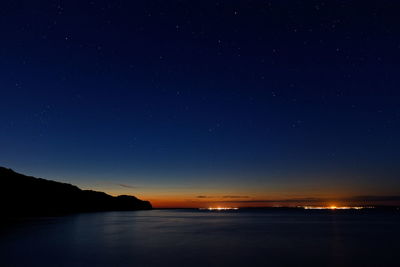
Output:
(198, 238)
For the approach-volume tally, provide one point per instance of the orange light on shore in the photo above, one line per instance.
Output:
(219, 208)
(333, 208)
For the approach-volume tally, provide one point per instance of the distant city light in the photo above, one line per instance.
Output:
(333, 208)
(219, 208)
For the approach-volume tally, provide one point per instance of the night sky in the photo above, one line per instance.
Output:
(204, 103)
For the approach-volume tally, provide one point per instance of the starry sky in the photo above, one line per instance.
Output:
(204, 103)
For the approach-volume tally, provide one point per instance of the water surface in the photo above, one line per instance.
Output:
(203, 238)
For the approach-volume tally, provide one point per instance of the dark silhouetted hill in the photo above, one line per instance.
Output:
(22, 195)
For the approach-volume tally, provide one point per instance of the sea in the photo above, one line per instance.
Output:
(191, 237)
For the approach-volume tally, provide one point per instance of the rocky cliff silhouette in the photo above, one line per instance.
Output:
(22, 195)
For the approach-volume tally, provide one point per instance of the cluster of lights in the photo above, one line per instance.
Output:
(331, 208)
(219, 208)
(304, 207)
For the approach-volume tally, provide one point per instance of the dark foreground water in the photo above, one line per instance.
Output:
(203, 238)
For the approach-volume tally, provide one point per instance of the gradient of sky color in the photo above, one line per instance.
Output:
(198, 103)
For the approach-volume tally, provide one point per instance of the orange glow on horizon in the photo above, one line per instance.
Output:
(216, 199)
(182, 202)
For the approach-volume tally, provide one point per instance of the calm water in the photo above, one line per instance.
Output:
(202, 238)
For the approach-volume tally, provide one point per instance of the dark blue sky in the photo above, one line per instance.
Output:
(268, 99)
